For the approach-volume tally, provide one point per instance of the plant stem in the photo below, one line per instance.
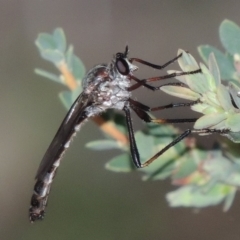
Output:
(70, 81)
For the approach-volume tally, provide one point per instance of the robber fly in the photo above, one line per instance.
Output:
(106, 86)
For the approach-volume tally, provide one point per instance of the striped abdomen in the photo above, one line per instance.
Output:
(52, 158)
(41, 190)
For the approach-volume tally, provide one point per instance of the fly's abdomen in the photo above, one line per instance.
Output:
(40, 195)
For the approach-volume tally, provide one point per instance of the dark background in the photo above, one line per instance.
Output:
(87, 201)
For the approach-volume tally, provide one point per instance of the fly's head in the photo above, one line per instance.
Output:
(123, 65)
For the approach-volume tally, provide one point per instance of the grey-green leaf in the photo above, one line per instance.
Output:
(53, 56)
(121, 163)
(209, 120)
(224, 98)
(230, 35)
(78, 69)
(226, 67)
(233, 136)
(234, 89)
(186, 167)
(75, 64)
(48, 75)
(181, 92)
(213, 68)
(103, 145)
(45, 42)
(192, 196)
(66, 98)
(60, 39)
(229, 199)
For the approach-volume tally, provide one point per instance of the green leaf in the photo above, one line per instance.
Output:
(187, 165)
(197, 82)
(214, 70)
(224, 98)
(217, 166)
(229, 199)
(53, 47)
(209, 120)
(230, 35)
(60, 39)
(79, 70)
(233, 122)
(226, 67)
(66, 99)
(210, 84)
(48, 75)
(162, 173)
(69, 57)
(179, 78)
(121, 163)
(160, 130)
(75, 64)
(192, 196)
(211, 99)
(53, 56)
(234, 89)
(45, 42)
(186, 60)
(233, 136)
(202, 107)
(181, 92)
(103, 145)
(145, 144)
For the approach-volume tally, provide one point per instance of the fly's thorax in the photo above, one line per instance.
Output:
(108, 94)
(95, 76)
(106, 88)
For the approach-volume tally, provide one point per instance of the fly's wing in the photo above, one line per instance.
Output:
(75, 116)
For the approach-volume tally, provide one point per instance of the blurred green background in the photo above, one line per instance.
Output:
(87, 201)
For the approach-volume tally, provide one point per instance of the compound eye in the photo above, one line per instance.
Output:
(122, 66)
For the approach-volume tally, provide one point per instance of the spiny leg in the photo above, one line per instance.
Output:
(144, 107)
(144, 82)
(180, 138)
(173, 105)
(141, 109)
(154, 65)
(140, 83)
(153, 88)
(133, 146)
(143, 115)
